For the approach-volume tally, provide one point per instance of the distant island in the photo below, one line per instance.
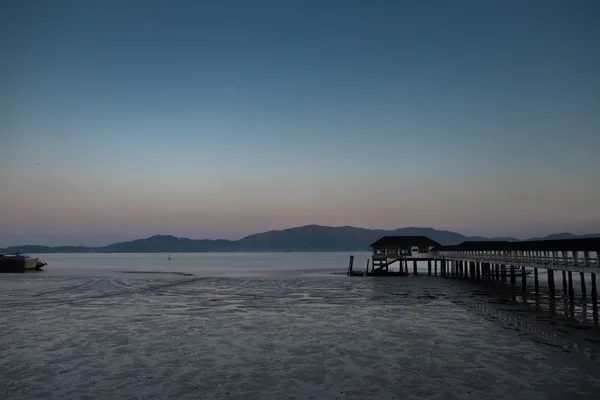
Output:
(315, 238)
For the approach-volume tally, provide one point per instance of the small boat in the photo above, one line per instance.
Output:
(19, 263)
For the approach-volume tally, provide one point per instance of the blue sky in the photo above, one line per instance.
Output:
(226, 118)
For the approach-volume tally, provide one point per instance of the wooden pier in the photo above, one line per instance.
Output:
(496, 261)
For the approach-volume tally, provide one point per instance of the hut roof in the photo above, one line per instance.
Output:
(404, 241)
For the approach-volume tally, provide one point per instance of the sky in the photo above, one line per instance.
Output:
(219, 119)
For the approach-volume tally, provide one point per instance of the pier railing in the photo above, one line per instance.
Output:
(552, 260)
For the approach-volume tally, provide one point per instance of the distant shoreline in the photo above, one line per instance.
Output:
(200, 252)
(304, 239)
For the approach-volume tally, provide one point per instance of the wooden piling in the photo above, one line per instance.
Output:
(503, 277)
(535, 280)
(523, 278)
(513, 277)
(594, 294)
(350, 264)
(477, 271)
(415, 267)
(428, 267)
(564, 280)
(582, 277)
(435, 263)
(551, 281)
(571, 291)
(472, 270)
(368, 265)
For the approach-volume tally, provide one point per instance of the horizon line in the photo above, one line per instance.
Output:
(305, 226)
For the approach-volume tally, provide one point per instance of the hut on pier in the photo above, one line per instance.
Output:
(391, 249)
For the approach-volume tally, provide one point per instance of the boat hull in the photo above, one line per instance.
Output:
(19, 264)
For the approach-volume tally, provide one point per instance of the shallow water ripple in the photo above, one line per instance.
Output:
(158, 336)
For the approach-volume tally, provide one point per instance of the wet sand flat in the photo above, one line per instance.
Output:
(164, 335)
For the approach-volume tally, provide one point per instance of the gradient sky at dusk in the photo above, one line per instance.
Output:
(214, 119)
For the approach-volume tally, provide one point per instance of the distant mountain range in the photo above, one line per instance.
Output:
(304, 238)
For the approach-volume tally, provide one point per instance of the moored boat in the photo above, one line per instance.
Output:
(19, 263)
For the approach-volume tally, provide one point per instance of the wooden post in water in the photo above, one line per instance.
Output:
(406, 266)
(551, 281)
(368, 265)
(564, 276)
(582, 277)
(523, 278)
(350, 263)
(497, 272)
(535, 280)
(435, 267)
(503, 267)
(594, 295)
(415, 267)
(428, 267)
(571, 291)
(513, 277)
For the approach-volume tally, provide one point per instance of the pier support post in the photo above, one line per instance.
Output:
(564, 279)
(435, 267)
(571, 291)
(551, 281)
(594, 295)
(535, 280)
(428, 267)
(513, 277)
(477, 271)
(582, 277)
(523, 278)
(497, 272)
(503, 271)
(415, 267)
(406, 267)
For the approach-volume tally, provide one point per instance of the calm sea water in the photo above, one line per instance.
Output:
(275, 326)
